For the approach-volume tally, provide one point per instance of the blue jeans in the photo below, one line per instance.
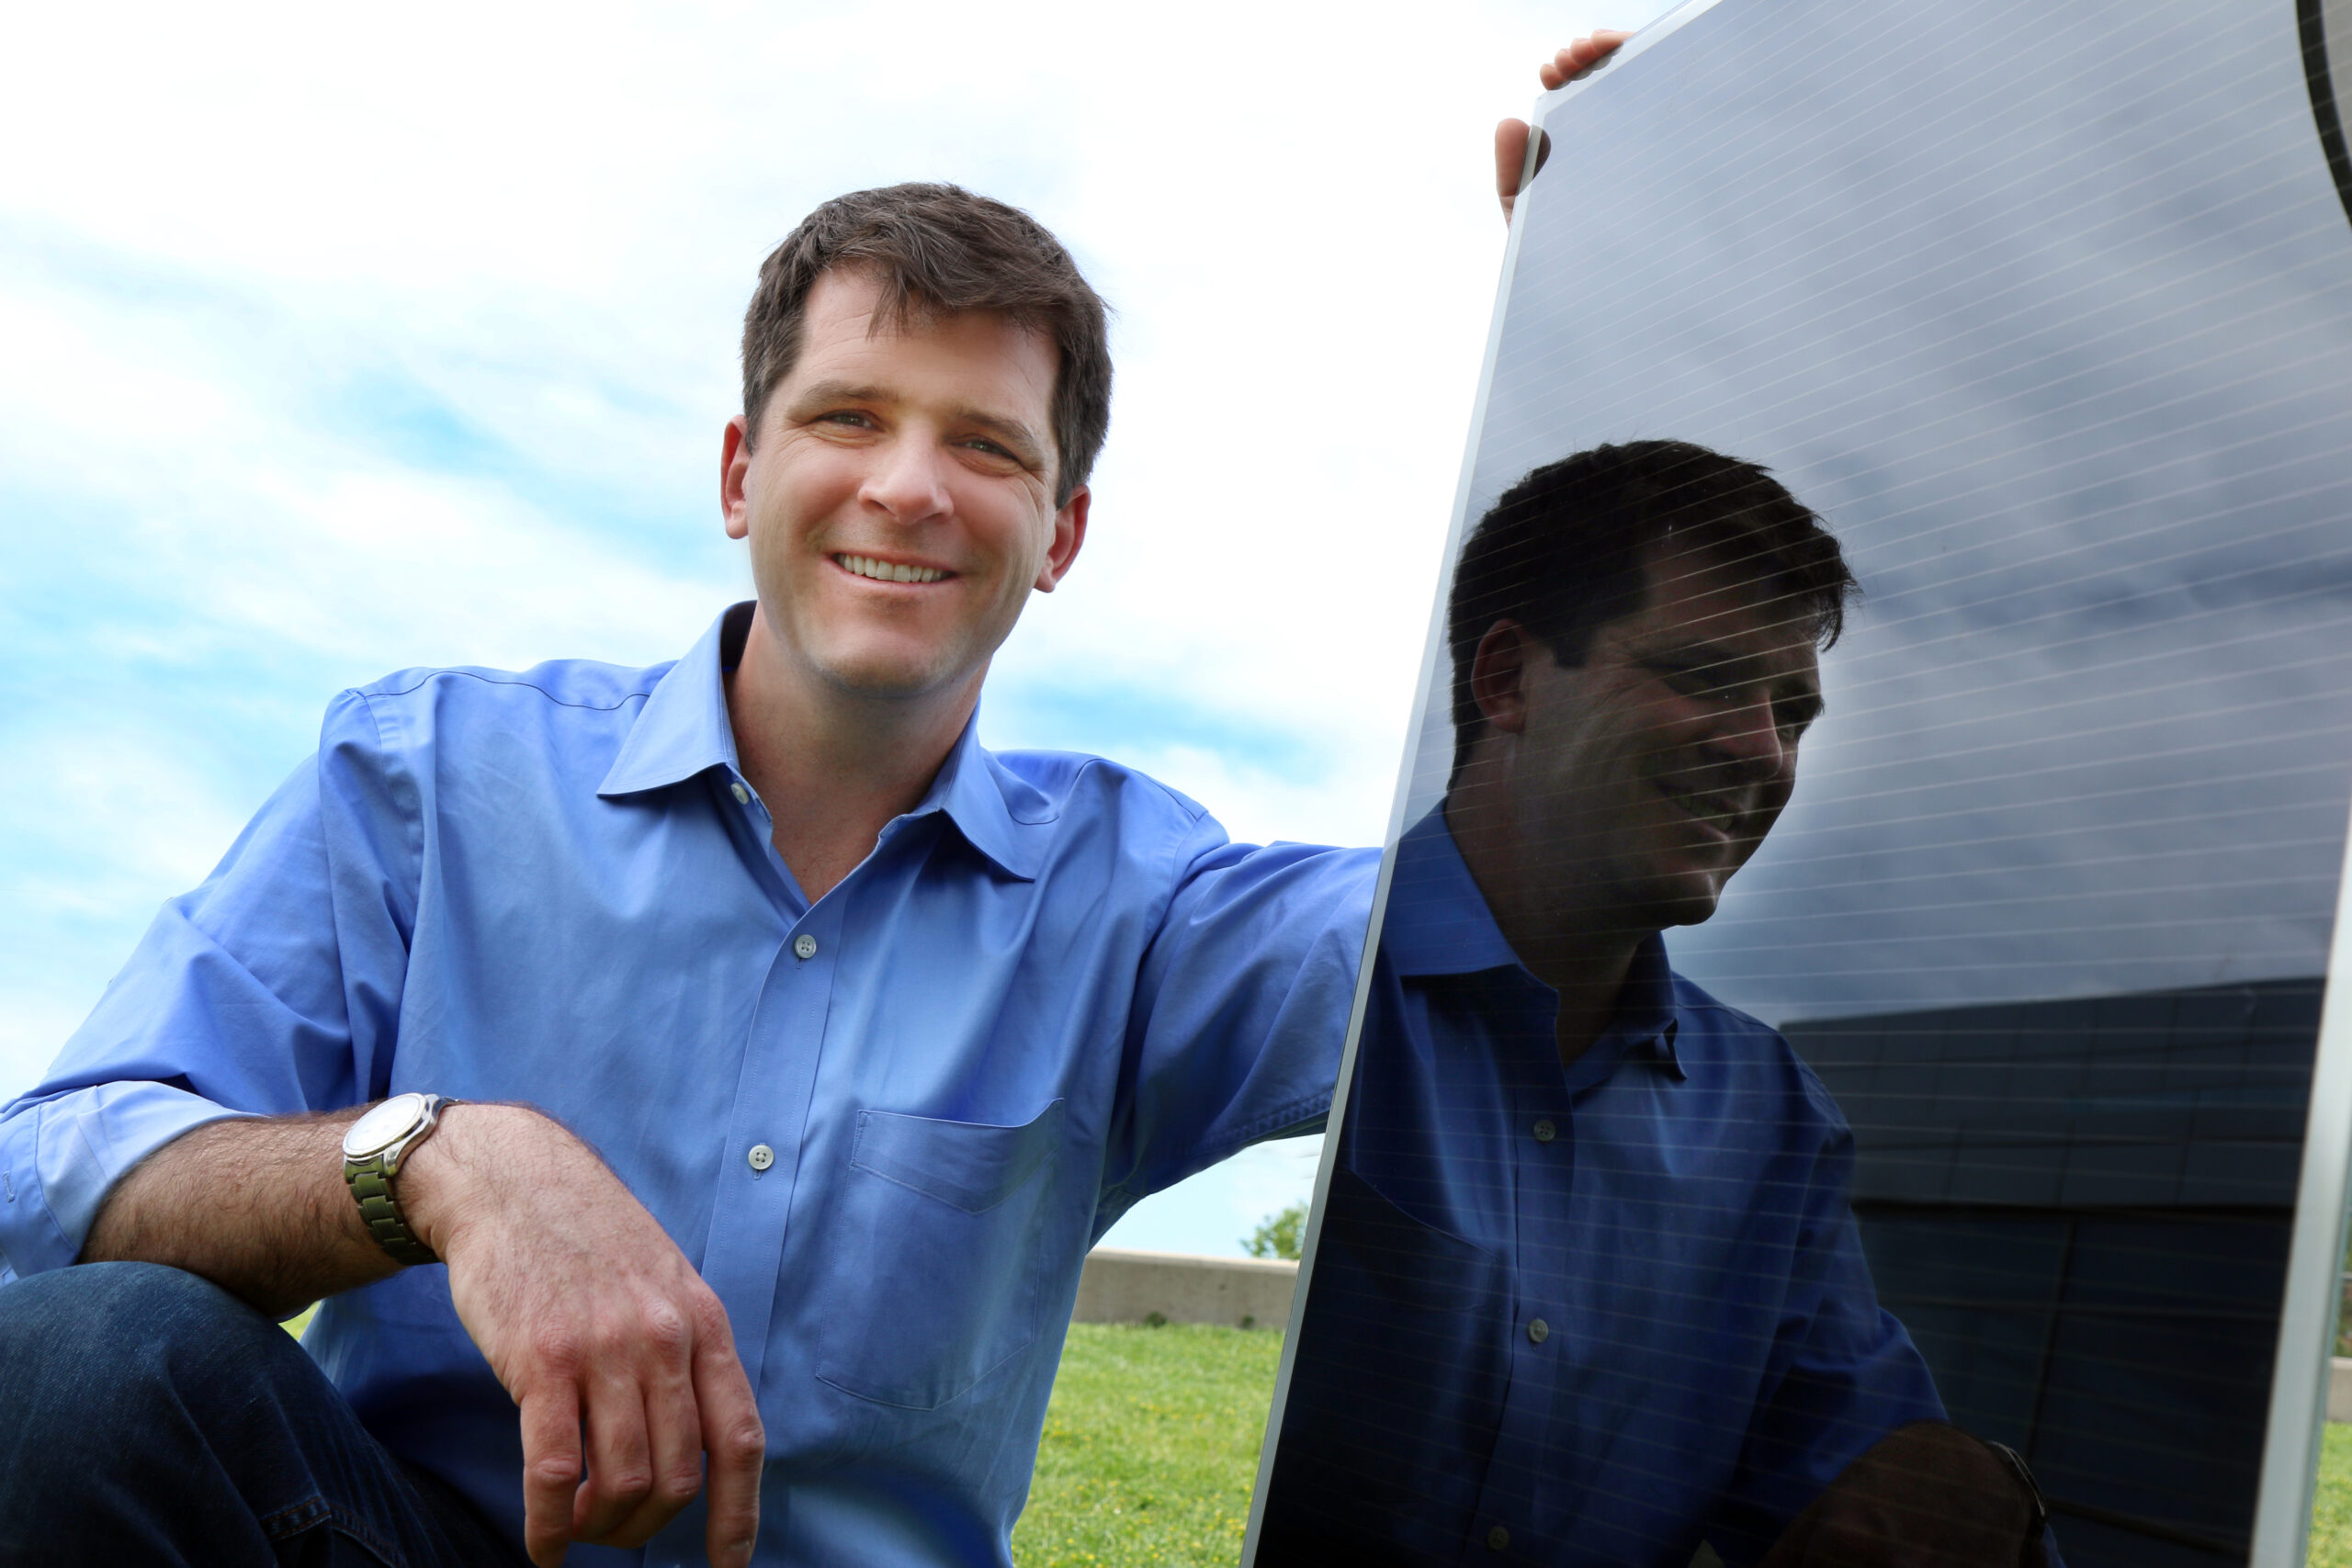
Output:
(147, 1417)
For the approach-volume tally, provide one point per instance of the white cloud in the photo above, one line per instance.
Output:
(107, 821)
(341, 341)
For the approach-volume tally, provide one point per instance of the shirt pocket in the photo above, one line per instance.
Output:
(936, 1236)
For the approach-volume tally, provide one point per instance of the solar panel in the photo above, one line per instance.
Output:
(2046, 310)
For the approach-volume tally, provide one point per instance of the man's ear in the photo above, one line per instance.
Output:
(1069, 534)
(734, 463)
(1498, 675)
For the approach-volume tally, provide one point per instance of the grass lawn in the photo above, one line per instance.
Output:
(2332, 1511)
(1151, 1448)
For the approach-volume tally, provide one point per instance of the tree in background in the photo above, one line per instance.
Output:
(1281, 1236)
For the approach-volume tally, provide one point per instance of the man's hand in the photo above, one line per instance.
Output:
(597, 1326)
(1510, 136)
(590, 1316)
(1928, 1496)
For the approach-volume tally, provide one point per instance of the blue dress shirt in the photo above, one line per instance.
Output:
(1052, 988)
(1588, 1314)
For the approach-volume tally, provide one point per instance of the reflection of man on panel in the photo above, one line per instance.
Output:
(1588, 1289)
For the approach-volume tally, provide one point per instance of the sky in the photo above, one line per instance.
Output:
(343, 342)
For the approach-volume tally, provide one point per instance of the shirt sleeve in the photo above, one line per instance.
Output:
(270, 989)
(1241, 1009)
(1843, 1372)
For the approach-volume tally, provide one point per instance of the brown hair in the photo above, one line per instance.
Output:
(939, 250)
(1561, 552)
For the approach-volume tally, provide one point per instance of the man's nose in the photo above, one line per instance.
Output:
(909, 481)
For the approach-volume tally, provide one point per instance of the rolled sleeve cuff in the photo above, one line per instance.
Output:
(60, 1157)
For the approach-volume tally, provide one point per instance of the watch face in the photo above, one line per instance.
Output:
(383, 1126)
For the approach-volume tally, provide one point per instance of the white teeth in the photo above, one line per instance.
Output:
(885, 571)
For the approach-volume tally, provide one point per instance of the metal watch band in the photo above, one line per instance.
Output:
(381, 1212)
(370, 1175)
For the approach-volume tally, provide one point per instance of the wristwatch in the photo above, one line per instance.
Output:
(372, 1152)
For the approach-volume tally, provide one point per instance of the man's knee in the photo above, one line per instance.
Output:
(155, 1418)
(80, 1344)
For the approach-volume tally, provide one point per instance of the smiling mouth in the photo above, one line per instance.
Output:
(1712, 812)
(889, 571)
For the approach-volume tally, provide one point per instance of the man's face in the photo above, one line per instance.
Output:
(899, 496)
(1643, 777)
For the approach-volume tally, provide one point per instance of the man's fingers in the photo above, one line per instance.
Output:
(550, 1469)
(737, 1447)
(1510, 136)
(1579, 56)
(1510, 156)
(620, 1458)
(673, 1438)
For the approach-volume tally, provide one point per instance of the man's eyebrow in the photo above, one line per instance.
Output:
(839, 392)
(1713, 658)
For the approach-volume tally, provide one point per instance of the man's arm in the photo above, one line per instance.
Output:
(197, 1118)
(242, 1202)
(582, 1306)
(1240, 1008)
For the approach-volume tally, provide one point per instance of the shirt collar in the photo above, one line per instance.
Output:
(1436, 922)
(998, 813)
(1646, 1018)
(684, 731)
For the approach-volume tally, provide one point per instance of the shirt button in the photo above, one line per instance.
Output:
(804, 945)
(1498, 1538)
(1539, 1331)
(1545, 1132)
(742, 795)
(762, 1156)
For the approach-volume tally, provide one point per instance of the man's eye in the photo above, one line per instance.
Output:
(850, 417)
(1704, 685)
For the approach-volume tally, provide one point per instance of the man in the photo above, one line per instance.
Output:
(759, 1054)
(1587, 1289)
(797, 1047)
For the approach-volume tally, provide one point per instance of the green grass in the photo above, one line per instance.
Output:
(1151, 1448)
(2331, 1511)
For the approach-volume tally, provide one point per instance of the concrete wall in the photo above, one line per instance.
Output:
(1122, 1286)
